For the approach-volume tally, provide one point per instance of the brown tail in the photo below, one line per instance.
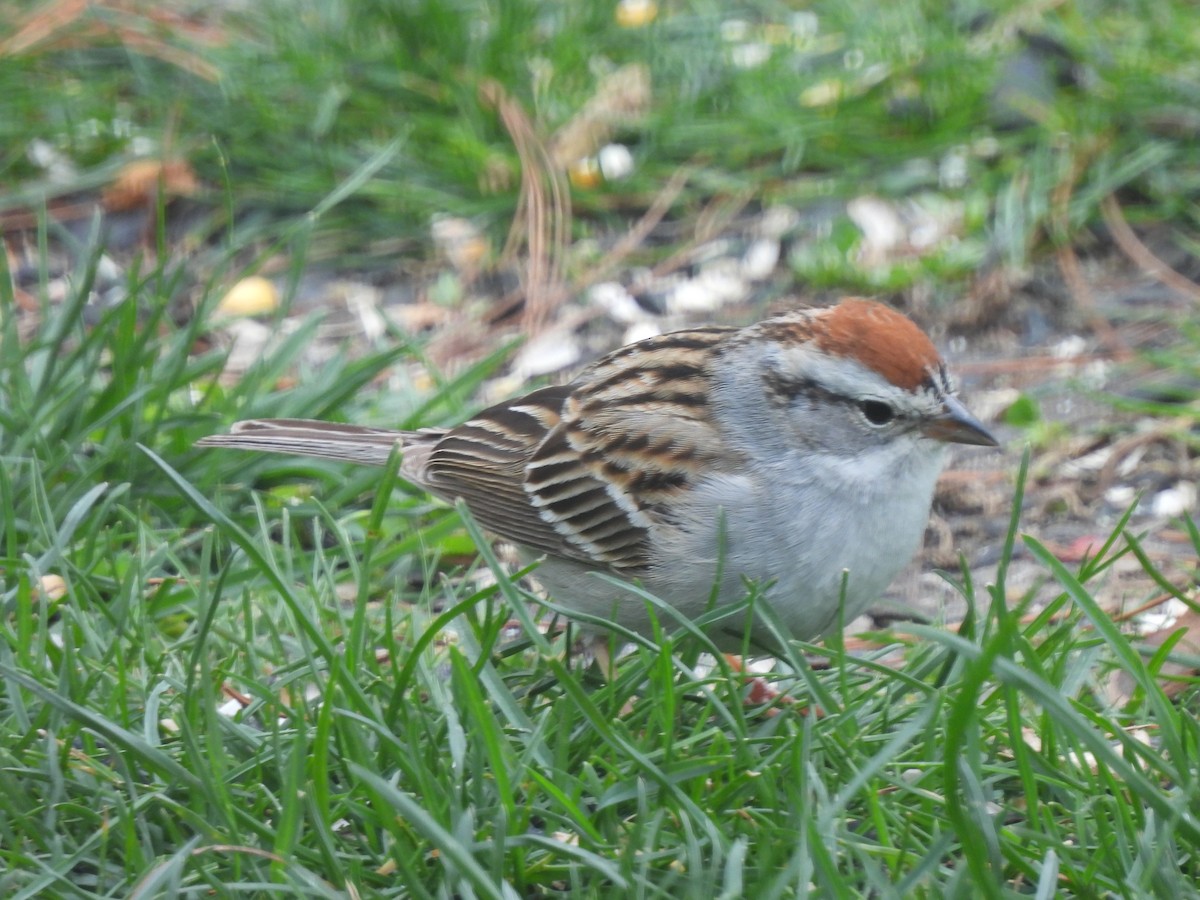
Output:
(322, 440)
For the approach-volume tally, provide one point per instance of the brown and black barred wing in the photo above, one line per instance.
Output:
(484, 460)
(634, 434)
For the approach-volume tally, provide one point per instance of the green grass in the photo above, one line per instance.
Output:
(391, 736)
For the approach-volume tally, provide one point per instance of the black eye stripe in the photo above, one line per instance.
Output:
(785, 391)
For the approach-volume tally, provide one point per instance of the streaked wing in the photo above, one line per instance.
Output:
(483, 461)
(635, 432)
(585, 470)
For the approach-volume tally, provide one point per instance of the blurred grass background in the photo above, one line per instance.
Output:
(998, 105)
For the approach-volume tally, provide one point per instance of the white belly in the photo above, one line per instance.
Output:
(812, 547)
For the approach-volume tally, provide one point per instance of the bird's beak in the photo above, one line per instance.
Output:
(957, 426)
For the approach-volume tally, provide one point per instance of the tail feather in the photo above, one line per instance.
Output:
(327, 440)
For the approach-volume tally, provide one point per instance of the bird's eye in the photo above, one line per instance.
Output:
(877, 412)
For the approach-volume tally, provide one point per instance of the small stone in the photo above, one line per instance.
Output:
(880, 224)
(1174, 501)
(253, 296)
(52, 587)
(617, 302)
(636, 13)
(751, 55)
(551, 352)
(1161, 618)
(248, 341)
(461, 242)
(719, 283)
(760, 259)
(777, 221)
(823, 93)
(639, 331)
(615, 161)
(229, 708)
(1120, 496)
(1069, 347)
(585, 173)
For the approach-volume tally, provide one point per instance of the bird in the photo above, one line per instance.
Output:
(799, 453)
